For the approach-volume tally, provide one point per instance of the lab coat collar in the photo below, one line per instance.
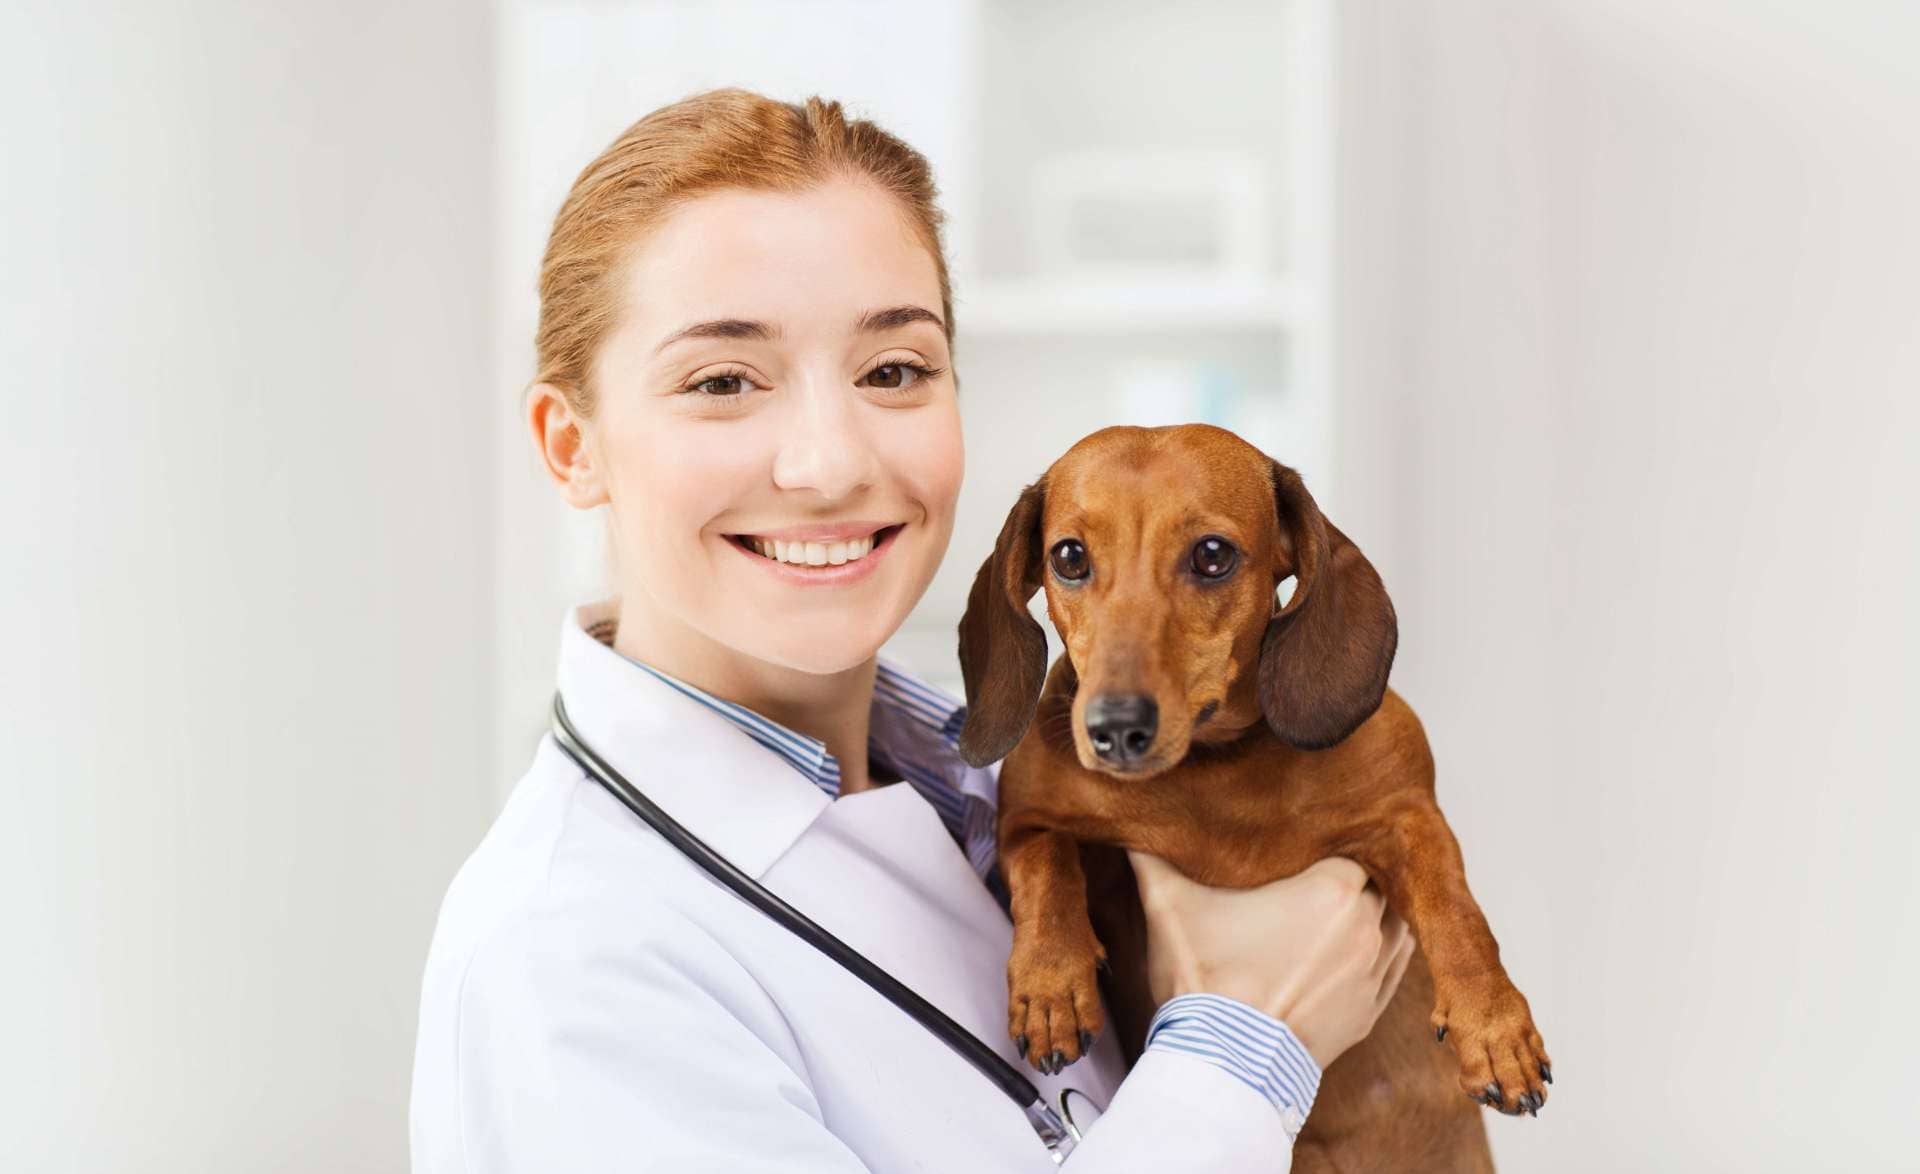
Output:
(650, 717)
(740, 797)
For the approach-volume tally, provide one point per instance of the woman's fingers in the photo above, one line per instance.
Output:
(1393, 931)
(1396, 968)
(1146, 865)
(1158, 880)
(1341, 870)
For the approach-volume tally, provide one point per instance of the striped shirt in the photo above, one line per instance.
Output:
(914, 728)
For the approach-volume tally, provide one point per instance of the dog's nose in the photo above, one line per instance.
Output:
(1121, 727)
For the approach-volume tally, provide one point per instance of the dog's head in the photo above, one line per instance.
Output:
(1162, 550)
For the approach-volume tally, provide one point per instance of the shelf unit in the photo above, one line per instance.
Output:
(1041, 306)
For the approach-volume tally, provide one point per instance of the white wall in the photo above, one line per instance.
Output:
(1631, 351)
(245, 604)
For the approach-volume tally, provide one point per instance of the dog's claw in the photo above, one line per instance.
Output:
(1494, 1097)
(1440, 1034)
(1546, 1073)
(1086, 1041)
(1056, 1060)
(1020, 1045)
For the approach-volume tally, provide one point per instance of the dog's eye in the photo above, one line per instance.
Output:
(1069, 559)
(1213, 557)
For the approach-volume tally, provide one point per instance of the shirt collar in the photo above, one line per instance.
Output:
(663, 732)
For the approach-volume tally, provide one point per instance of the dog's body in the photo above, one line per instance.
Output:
(1280, 746)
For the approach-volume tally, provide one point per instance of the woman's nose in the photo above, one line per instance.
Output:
(823, 444)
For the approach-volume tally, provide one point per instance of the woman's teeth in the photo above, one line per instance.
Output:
(813, 554)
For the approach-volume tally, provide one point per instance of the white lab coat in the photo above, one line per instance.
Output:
(594, 1001)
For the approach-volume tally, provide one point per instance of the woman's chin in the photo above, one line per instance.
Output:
(824, 651)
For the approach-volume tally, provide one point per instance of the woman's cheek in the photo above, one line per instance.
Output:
(674, 483)
(931, 458)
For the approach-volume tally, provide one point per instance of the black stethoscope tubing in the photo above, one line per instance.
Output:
(1059, 1135)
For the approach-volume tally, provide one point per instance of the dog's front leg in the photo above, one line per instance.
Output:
(1053, 1011)
(1503, 1062)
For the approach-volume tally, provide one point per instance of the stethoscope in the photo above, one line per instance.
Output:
(1055, 1128)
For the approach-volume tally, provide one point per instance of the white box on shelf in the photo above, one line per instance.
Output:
(1192, 214)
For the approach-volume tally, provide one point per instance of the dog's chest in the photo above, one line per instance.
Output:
(1237, 830)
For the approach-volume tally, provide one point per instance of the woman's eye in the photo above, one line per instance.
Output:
(1213, 557)
(897, 376)
(720, 385)
(1069, 559)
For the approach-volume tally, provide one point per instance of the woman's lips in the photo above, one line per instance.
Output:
(853, 568)
(845, 531)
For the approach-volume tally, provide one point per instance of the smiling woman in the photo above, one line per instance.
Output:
(773, 372)
(745, 356)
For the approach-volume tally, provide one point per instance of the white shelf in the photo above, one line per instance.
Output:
(1126, 304)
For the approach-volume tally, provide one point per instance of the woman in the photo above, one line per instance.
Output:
(745, 352)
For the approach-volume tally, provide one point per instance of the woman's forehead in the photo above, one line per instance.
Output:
(816, 260)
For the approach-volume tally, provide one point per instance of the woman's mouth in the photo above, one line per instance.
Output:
(809, 560)
(815, 554)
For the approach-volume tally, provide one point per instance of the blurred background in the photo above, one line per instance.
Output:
(1595, 322)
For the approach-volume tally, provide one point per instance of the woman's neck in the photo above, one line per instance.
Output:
(833, 707)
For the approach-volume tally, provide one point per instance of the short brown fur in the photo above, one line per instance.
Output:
(1278, 744)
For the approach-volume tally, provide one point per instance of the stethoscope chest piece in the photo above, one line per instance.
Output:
(1078, 1111)
(1061, 1129)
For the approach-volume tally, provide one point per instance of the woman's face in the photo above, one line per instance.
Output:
(775, 430)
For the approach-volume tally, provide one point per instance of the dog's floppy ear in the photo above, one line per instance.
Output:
(1325, 656)
(1003, 652)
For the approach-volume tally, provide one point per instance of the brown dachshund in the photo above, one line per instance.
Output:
(1195, 718)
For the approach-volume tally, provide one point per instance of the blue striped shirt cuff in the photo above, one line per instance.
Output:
(1257, 1049)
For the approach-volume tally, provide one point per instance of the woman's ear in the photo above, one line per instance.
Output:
(1325, 656)
(1003, 652)
(560, 436)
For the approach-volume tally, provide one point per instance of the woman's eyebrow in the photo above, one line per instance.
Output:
(872, 321)
(895, 316)
(720, 328)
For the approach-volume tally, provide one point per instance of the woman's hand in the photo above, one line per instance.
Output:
(1320, 951)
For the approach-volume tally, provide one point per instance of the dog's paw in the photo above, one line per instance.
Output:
(1503, 1062)
(1053, 1005)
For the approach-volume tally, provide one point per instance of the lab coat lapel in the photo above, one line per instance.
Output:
(879, 871)
(740, 797)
